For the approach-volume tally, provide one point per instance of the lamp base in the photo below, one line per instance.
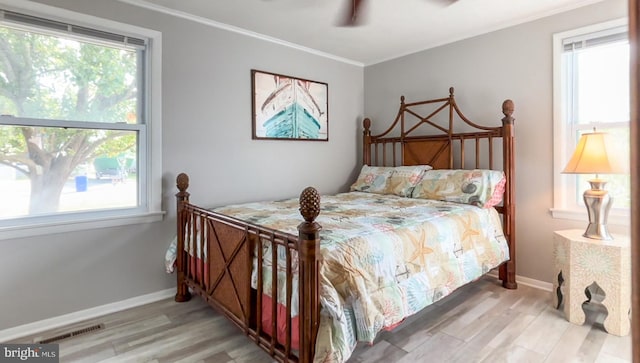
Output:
(597, 231)
(598, 202)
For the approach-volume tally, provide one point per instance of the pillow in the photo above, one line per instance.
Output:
(372, 179)
(482, 188)
(404, 179)
(398, 180)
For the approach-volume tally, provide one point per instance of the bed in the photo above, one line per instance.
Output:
(309, 288)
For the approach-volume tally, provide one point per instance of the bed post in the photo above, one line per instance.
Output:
(366, 142)
(309, 252)
(507, 271)
(182, 293)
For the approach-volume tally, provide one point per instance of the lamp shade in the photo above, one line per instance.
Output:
(592, 156)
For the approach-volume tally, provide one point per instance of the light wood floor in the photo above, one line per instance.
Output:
(482, 322)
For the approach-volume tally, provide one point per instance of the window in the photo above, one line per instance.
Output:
(591, 90)
(77, 108)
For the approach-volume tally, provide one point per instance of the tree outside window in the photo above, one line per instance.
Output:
(71, 107)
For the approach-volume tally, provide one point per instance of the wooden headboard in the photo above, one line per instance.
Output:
(435, 132)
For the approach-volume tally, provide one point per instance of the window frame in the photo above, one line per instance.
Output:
(150, 158)
(564, 185)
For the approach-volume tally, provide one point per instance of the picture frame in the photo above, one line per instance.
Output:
(288, 108)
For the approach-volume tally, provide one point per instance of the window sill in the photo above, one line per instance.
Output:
(78, 225)
(617, 218)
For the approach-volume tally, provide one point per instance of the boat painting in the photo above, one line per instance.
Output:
(288, 108)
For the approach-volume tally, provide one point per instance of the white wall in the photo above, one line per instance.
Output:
(512, 63)
(206, 133)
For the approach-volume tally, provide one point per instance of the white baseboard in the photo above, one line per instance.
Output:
(78, 316)
(521, 280)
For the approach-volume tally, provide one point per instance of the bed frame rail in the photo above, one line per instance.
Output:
(215, 259)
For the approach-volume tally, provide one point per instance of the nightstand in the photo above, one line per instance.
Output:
(581, 261)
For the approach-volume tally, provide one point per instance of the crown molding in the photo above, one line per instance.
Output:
(489, 29)
(235, 29)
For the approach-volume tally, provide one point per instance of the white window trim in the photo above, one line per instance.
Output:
(563, 182)
(153, 151)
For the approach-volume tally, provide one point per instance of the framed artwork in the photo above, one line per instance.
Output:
(288, 108)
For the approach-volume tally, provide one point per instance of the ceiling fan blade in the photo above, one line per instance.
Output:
(445, 2)
(352, 15)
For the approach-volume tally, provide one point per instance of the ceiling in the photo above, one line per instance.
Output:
(391, 28)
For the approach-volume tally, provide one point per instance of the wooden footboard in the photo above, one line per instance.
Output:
(215, 259)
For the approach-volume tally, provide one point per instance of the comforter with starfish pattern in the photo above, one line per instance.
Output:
(384, 258)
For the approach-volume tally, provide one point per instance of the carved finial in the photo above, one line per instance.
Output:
(182, 182)
(451, 91)
(309, 204)
(366, 123)
(402, 99)
(507, 108)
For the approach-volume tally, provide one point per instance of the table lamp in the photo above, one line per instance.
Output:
(592, 157)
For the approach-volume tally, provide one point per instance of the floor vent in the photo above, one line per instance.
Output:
(72, 334)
